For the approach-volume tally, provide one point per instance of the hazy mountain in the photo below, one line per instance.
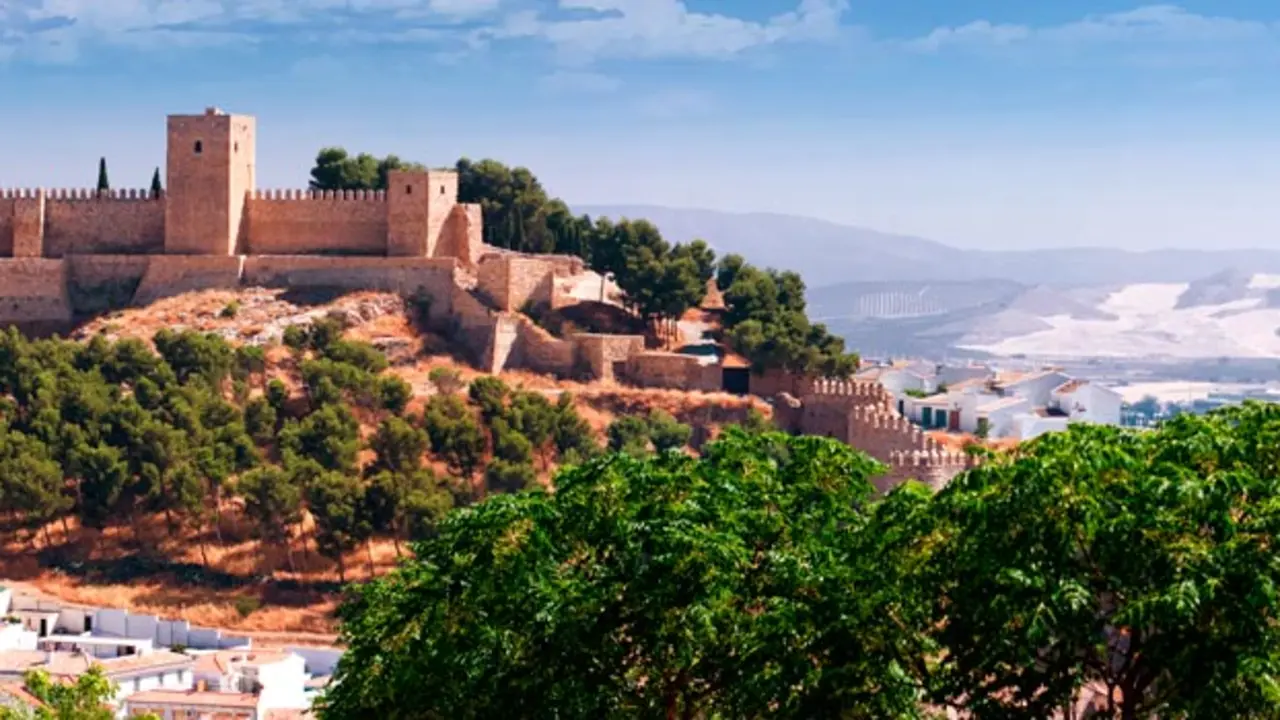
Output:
(828, 253)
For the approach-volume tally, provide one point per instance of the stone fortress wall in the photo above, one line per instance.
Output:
(862, 414)
(69, 252)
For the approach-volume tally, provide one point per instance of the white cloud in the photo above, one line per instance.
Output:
(666, 28)
(1163, 29)
(55, 29)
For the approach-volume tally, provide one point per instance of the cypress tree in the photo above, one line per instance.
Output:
(103, 183)
(156, 188)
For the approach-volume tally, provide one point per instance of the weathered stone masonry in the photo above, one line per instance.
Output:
(64, 252)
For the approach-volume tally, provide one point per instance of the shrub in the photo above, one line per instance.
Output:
(231, 309)
(247, 606)
(446, 380)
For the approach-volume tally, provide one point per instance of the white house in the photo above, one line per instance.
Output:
(132, 674)
(1037, 387)
(998, 414)
(278, 678)
(195, 705)
(15, 636)
(1033, 424)
(98, 646)
(1084, 401)
(949, 375)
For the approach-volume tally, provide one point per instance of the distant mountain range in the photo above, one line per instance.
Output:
(827, 253)
(892, 294)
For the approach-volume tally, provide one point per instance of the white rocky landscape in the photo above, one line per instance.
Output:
(1220, 317)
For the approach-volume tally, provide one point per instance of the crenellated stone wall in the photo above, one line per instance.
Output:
(118, 222)
(863, 415)
(302, 222)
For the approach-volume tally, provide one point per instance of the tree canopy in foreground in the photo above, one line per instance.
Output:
(1136, 569)
(729, 586)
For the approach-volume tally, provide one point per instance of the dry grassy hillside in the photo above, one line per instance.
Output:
(223, 577)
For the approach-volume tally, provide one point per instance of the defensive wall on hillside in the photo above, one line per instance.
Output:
(863, 415)
(64, 253)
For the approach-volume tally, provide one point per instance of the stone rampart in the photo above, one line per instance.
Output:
(673, 370)
(772, 382)
(117, 222)
(503, 341)
(510, 281)
(403, 275)
(605, 356)
(303, 222)
(33, 290)
(169, 275)
(542, 352)
(862, 414)
(97, 283)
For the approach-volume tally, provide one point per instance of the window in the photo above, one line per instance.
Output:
(235, 147)
(199, 146)
(408, 189)
(441, 189)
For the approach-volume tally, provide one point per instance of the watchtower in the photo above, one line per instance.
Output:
(418, 206)
(210, 169)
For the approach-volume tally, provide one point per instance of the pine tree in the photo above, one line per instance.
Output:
(104, 185)
(156, 187)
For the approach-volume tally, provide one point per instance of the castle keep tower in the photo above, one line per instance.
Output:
(210, 169)
(418, 205)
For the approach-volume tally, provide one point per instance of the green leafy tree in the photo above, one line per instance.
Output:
(504, 476)
(446, 380)
(104, 184)
(574, 439)
(336, 502)
(329, 436)
(273, 501)
(455, 435)
(157, 189)
(490, 394)
(87, 698)
(629, 434)
(667, 433)
(394, 394)
(664, 587)
(1137, 565)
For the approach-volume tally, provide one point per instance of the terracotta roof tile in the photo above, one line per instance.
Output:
(192, 697)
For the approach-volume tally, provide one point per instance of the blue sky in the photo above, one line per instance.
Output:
(981, 123)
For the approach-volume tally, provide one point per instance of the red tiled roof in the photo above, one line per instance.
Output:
(10, 694)
(192, 697)
(1069, 387)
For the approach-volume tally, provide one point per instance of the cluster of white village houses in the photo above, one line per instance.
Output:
(979, 400)
(165, 668)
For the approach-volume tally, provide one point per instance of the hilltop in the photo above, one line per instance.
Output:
(219, 574)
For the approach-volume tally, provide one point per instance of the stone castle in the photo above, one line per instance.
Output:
(66, 253)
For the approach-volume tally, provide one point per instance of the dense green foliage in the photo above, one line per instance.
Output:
(667, 586)
(659, 280)
(1136, 569)
(104, 183)
(111, 433)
